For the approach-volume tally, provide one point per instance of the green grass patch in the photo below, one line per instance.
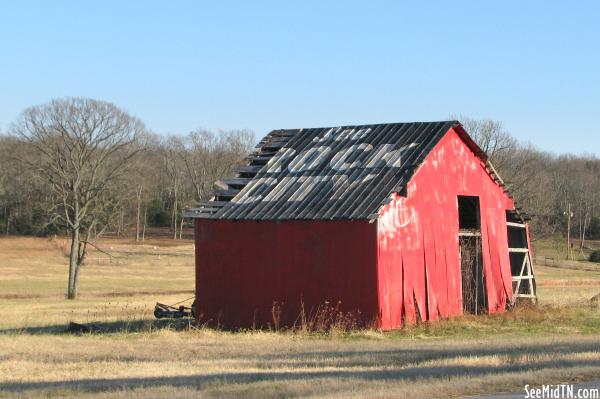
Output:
(521, 321)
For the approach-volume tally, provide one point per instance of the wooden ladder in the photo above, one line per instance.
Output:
(526, 272)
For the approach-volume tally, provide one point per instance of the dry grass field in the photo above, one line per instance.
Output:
(565, 282)
(558, 341)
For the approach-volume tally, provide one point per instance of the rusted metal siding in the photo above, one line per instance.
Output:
(242, 267)
(418, 248)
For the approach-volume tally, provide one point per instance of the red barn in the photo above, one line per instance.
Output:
(396, 221)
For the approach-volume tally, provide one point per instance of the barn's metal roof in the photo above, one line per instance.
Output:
(344, 172)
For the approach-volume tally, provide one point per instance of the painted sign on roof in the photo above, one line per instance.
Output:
(342, 172)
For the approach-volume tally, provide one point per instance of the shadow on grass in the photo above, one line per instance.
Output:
(119, 326)
(387, 375)
(407, 361)
(409, 356)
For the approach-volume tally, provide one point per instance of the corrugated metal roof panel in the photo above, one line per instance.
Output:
(344, 172)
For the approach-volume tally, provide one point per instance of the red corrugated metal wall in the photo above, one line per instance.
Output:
(418, 248)
(243, 266)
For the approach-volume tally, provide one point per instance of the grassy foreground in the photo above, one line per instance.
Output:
(558, 341)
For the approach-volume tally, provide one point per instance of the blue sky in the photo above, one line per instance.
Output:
(181, 65)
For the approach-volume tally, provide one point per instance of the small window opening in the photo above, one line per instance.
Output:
(468, 212)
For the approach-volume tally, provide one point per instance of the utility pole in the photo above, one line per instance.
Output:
(569, 214)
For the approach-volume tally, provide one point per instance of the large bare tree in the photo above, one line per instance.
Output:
(82, 148)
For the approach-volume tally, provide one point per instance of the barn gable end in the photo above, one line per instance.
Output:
(418, 237)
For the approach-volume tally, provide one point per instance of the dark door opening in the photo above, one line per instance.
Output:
(471, 262)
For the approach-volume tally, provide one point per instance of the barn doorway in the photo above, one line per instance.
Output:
(471, 261)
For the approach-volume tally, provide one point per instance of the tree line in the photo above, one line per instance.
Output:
(83, 168)
(551, 188)
(152, 179)
(169, 173)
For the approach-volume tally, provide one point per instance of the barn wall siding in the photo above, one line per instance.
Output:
(418, 247)
(242, 267)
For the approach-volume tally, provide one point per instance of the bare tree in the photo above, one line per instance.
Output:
(209, 157)
(143, 180)
(173, 149)
(491, 137)
(82, 148)
(524, 168)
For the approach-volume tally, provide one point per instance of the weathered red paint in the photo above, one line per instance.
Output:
(244, 266)
(418, 238)
(404, 265)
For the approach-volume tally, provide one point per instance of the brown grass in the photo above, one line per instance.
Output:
(34, 270)
(215, 364)
(559, 341)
